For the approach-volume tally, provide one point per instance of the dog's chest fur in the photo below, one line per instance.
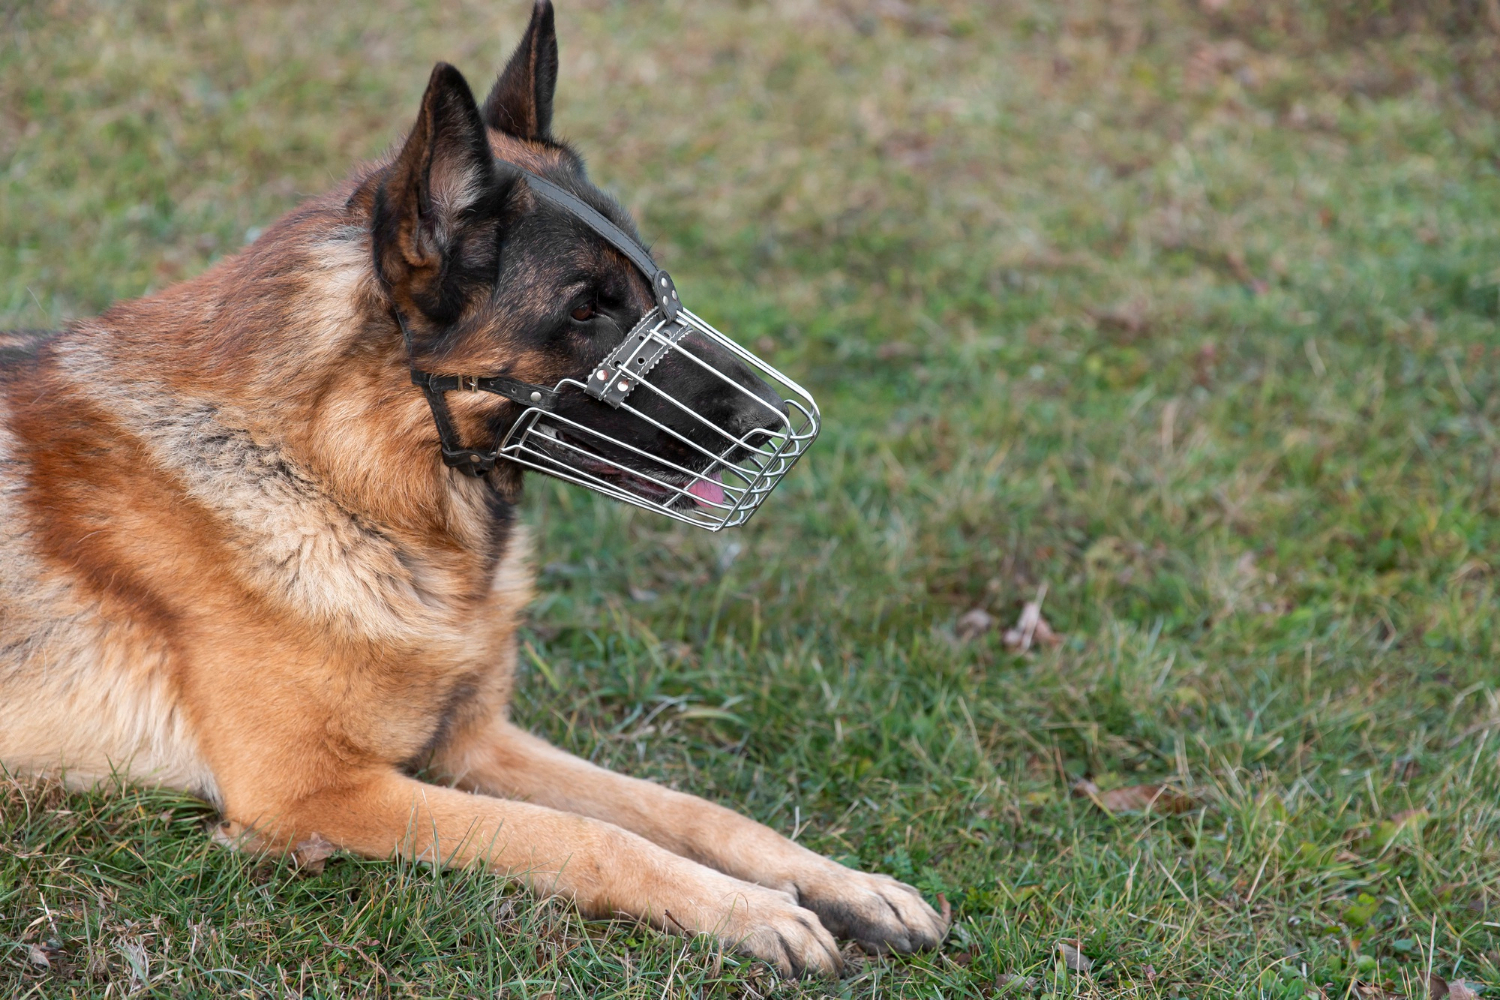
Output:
(184, 567)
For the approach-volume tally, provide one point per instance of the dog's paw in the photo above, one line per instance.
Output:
(769, 925)
(874, 910)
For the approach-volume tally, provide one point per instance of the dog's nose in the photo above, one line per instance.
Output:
(761, 418)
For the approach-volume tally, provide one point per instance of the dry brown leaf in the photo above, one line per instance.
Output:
(38, 956)
(1131, 318)
(1136, 798)
(974, 623)
(1031, 628)
(1437, 986)
(1073, 956)
(1460, 990)
(1369, 992)
(312, 854)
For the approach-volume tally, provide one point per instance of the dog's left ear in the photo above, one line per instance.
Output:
(520, 103)
(437, 213)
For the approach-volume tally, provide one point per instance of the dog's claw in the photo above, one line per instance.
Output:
(878, 912)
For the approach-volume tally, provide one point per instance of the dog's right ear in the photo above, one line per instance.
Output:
(436, 215)
(520, 103)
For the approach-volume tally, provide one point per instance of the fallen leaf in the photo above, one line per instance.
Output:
(1031, 628)
(1012, 982)
(1136, 798)
(1074, 958)
(38, 956)
(1460, 990)
(1389, 831)
(1437, 986)
(312, 854)
(1150, 971)
(1359, 912)
(972, 624)
(1131, 318)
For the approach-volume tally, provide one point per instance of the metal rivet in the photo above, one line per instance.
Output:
(602, 375)
(623, 386)
(536, 397)
(664, 281)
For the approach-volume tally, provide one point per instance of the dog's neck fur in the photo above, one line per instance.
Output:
(291, 345)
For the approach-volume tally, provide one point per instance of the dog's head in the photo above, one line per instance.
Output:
(492, 279)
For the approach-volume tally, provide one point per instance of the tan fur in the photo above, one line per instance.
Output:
(231, 562)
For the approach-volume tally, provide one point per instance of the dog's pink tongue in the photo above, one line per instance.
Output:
(708, 491)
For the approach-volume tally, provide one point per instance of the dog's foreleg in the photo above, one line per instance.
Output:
(605, 869)
(875, 910)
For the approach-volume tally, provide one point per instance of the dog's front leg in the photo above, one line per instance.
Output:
(875, 910)
(605, 869)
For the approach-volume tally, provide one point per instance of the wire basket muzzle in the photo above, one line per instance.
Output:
(678, 419)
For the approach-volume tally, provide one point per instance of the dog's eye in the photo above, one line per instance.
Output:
(584, 312)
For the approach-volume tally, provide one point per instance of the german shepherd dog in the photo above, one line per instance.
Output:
(233, 562)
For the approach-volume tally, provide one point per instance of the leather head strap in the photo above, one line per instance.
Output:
(662, 288)
(477, 462)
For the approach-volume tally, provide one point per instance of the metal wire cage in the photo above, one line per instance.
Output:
(714, 478)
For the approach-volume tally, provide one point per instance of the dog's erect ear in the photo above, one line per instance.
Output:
(520, 103)
(435, 214)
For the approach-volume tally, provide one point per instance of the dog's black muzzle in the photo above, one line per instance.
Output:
(678, 418)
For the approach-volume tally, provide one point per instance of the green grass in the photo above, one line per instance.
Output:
(1196, 328)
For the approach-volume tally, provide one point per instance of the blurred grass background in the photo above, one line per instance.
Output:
(1186, 311)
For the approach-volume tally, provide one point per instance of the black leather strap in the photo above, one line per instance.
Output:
(455, 455)
(513, 389)
(618, 374)
(661, 282)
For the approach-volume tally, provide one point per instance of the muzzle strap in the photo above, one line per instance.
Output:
(455, 455)
(512, 389)
(637, 354)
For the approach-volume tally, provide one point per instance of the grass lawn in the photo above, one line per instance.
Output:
(1185, 315)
